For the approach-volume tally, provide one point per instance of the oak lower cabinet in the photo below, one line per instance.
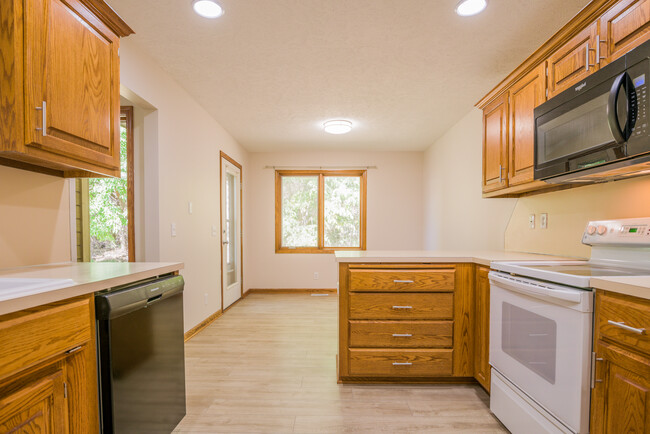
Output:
(61, 86)
(482, 328)
(620, 401)
(48, 374)
(405, 322)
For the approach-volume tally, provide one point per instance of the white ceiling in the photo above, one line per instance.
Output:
(272, 71)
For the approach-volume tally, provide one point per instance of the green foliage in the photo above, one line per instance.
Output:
(300, 211)
(108, 204)
(342, 211)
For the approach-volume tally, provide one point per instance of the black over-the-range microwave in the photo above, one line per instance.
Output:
(597, 130)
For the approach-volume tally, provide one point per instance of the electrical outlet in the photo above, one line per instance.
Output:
(205, 298)
(543, 221)
(531, 221)
(189, 207)
(173, 229)
(316, 276)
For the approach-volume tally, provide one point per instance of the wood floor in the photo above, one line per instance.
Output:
(268, 365)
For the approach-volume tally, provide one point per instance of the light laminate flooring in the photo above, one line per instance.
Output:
(268, 365)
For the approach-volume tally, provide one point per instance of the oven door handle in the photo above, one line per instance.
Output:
(524, 287)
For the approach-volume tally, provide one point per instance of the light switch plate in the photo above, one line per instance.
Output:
(543, 221)
(531, 221)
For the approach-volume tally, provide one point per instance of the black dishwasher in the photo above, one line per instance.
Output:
(141, 360)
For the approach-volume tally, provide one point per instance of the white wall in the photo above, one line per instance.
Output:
(455, 214)
(394, 220)
(181, 164)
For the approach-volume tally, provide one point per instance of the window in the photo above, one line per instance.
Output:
(319, 211)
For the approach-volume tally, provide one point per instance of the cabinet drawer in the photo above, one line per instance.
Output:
(400, 363)
(33, 335)
(439, 280)
(401, 306)
(626, 311)
(401, 334)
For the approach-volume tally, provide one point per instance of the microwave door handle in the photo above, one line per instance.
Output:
(632, 106)
(612, 108)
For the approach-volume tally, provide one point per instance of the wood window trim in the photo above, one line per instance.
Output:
(362, 174)
(126, 114)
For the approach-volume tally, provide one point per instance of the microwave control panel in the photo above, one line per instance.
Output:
(641, 87)
(618, 232)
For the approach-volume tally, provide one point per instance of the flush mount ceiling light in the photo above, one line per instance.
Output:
(207, 8)
(465, 8)
(337, 126)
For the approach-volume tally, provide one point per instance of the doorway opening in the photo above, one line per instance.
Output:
(231, 231)
(105, 207)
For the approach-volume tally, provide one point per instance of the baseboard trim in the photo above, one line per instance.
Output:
(291, 291)
(203, 324)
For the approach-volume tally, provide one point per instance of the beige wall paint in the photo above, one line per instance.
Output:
(455, 214)
(394, 220)
(568, 214)
(181, 164)
(34, 217)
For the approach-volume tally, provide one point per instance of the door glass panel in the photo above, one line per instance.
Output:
(530, 339)
(231, 230)
(577, 130)
(342, 211)
(299, 211)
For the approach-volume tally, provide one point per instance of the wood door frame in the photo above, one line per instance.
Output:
(224, 156)
(126, 113)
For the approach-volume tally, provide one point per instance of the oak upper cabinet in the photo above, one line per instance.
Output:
(572, 62)
(524, 96)
(620, 401)
(64, 86)
(622, 28)
(482, 328)
(495, 144)
(48, 369)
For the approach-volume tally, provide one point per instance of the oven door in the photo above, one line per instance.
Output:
(540, 341)
(586, 126)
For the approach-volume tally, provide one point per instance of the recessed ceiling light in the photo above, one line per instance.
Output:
(207, 8)
(465, 8)
(337, 126)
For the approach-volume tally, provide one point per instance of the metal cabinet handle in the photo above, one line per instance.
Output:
(402, 281)
(500, 174)
(43, 110)
(402, 335)
(587, 64)
(627, 327)
(402, 307)
(594, 359)
(402, 363)
(598, 42)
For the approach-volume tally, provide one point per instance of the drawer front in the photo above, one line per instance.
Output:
(625, 311)
(438, 280)
(401, 334)
(34, 335)
(401, 363)
(401, 306)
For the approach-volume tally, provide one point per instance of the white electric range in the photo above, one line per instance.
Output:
(541, 323)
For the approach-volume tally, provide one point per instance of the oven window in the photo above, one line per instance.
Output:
(530, 339)
(577, 130)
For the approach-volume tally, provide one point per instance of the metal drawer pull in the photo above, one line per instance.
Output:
(627, 327)
(402, 335)
(402, 281)
(44, 114)
(73, 350)
(402, 307)
(402, 363)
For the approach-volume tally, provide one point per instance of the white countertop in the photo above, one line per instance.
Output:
(636, 286)
(441, 256)
(84, 278)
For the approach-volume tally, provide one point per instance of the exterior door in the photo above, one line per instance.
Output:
(231, 283)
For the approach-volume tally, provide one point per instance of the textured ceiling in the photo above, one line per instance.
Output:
(272, 71)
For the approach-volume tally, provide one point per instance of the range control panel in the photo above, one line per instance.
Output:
(618, 232)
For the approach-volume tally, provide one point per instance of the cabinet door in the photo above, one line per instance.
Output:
(621, 398)
(573, 61)
(71, 86)
(482, 328)
(495, 144)
(524, 96)
(38, 406)
(623, 27)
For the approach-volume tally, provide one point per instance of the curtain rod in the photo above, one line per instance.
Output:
(319, 167)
